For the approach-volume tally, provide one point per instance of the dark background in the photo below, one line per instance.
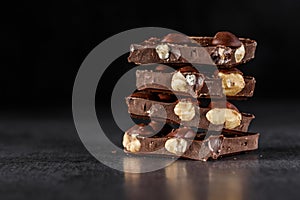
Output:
(44, 42)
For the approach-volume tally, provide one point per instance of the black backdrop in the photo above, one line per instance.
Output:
(44, 42)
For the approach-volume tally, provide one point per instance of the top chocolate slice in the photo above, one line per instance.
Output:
(224, 50)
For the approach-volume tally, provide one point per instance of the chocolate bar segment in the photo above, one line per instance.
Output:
(196, 84)
(187, 112)
(213, 146)
(201, 50)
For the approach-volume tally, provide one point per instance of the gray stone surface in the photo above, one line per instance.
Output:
(41, 157)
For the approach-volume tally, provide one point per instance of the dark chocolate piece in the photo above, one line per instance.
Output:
(184, 111)
(181, 84)
(201, 51)
(213, 146)
(226, 38)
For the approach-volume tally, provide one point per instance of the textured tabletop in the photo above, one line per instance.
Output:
(41, 156)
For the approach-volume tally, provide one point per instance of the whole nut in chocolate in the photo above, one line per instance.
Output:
(229, 117)
(227, 39)
(176, 38)
(178, 82)
(176, 145)
(185, 110)
(221, 55)
(232, 83)
(163, 51)
(131, 143)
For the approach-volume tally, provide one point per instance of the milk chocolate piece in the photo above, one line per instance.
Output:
(201, 51)
(165, 110)
(201, 147)
(203, 87)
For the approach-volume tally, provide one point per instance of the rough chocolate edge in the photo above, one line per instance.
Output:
(156, 81)
(145, 53)
(199, 149)
(138, 107)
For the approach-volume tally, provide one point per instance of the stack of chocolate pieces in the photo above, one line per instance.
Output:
(182, 104)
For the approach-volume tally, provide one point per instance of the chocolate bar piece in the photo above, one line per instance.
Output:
(197, 147)
(190, 82)
(187, 112)
(223, 50)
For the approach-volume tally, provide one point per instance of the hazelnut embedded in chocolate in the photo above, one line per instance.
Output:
(229, 117)
(232, 83)
(185, 110)
(176, 38)
(131, 143)
(191, 79)
(176, 145)
(221, 54)
(163, 51)
(178, 82)
(227, 39)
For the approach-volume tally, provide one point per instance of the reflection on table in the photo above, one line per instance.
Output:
(186, 179)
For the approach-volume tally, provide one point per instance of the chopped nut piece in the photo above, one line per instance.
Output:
(131, 143)
(221, 55)
(229, 117)
(191, 79)
(179, 83)
(163, 51)
(232, 83)
(185, 110)
(176, 145)
(233, 118)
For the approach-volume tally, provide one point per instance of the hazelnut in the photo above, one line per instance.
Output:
(163, 51)
(178, 82)
(176, 38)
(181, 83)
(190, 79)
(185, 110)
(233, 119)
(131, 143)
(239, 54)
(221, 55)
(232, 83)
(227, 39)
(176, 145)
(230, 117)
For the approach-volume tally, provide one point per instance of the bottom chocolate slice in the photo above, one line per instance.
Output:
(178, 143)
